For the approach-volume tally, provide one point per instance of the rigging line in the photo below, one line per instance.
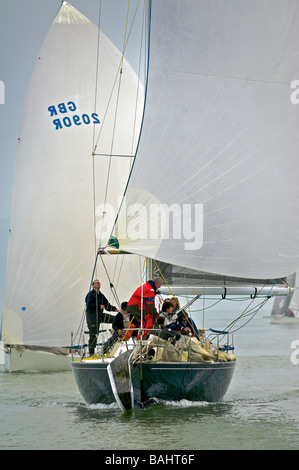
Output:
(114, 83)
(164, 278)
(243, 313)
(138, 82)
(115, 270)
(144, 271)
(119, 85)
(207, 307)
(106, 111)
(94, 126)
(246, 313)
(125, 35)
(253, 315)
(204, 305)
(83, 317)
(142, 121)
(120, 268)
(116, 298)
(80, 327)
(116, 265)
(115, 119)
(97, 68)
(189, 305)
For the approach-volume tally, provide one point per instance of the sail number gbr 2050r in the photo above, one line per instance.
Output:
(71, 119)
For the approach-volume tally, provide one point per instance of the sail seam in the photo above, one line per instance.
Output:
(227, 77)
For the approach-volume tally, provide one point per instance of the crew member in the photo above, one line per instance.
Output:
(96, 302)
(142, 304)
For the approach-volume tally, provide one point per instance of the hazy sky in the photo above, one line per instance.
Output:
(23, 27)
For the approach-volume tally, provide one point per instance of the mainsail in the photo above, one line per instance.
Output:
(73, 111)
(218, 152)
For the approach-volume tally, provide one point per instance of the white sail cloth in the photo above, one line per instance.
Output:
(56, 190)
(220, 130)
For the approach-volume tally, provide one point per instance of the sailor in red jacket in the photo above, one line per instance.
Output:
(142, 303)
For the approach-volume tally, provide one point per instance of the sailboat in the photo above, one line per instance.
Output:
(213, 192)
(63, 179)
(285, 310)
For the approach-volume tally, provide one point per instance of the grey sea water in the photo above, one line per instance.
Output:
(260, 410)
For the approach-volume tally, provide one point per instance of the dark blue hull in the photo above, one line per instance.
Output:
(165, 381)
(93, 382)
(177, 381)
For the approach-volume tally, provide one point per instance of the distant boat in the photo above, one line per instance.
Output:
(285, 310)
(62, 175)
(218, 149)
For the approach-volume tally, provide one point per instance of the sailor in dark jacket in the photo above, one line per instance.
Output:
(121, 322)
(96, 302)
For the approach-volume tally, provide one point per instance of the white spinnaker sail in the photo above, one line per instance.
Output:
(220, 130)
(52, 245)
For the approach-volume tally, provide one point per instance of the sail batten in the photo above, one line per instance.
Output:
(223, 77)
